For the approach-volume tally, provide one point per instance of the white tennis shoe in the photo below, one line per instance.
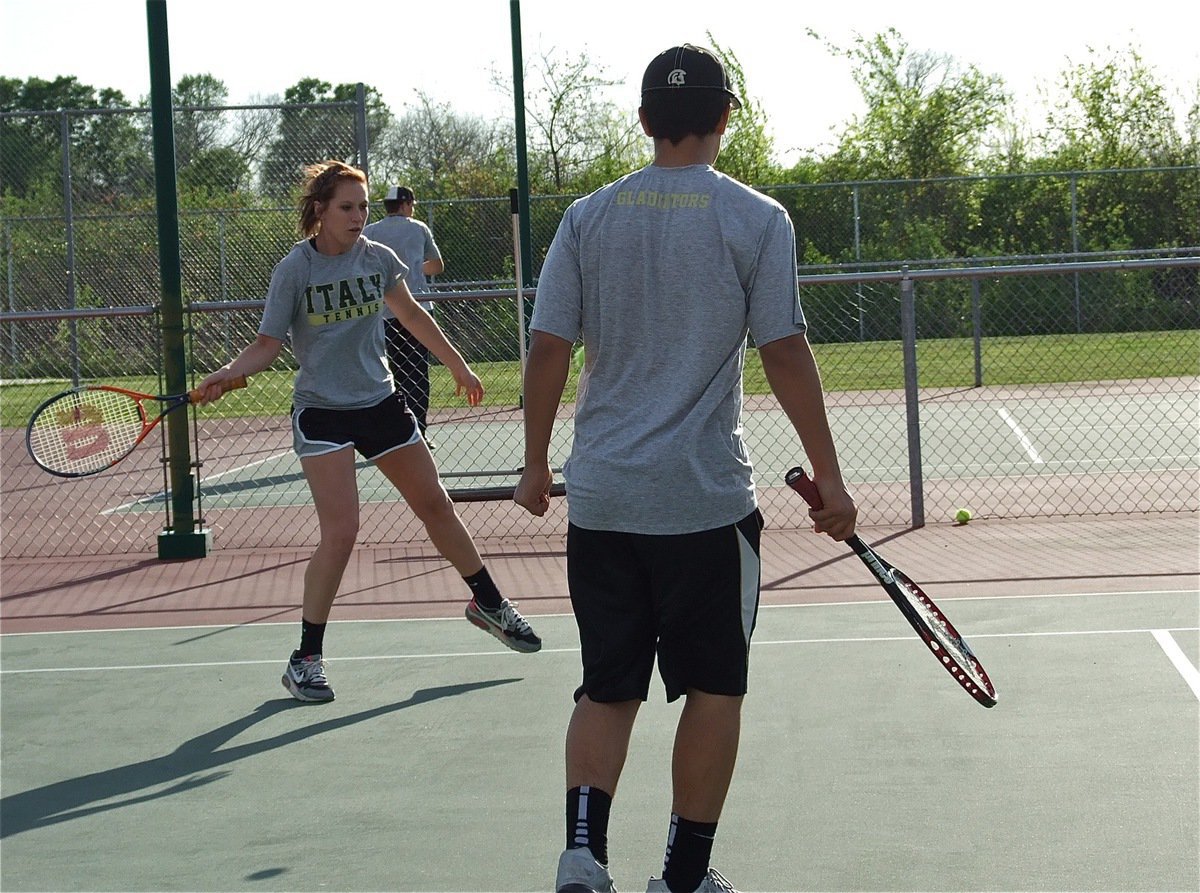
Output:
(579, 872)
(713, 883)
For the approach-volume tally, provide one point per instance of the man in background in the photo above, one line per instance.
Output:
(413, 242)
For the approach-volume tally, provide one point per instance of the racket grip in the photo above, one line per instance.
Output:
(797, 478)
(230, 384)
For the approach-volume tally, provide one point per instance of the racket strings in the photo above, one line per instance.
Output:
(86, 431)
(953, 647)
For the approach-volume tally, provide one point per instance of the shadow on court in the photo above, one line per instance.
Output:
(194, 763)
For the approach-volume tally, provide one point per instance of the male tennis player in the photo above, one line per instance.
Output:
(413, 242)
(662, 274)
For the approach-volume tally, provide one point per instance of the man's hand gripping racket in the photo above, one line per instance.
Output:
(86, 430)
(951, 651)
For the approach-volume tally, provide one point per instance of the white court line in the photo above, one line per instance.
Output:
(252, 663)
(1189, 673)
(898, 474)
(455, 618)
(222, 474)
(1025, 441)
(162, 494)
(508, 655)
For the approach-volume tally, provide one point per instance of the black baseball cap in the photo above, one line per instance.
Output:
(687, 67)
(399, 194)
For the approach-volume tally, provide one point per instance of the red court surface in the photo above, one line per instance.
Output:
(992, 558)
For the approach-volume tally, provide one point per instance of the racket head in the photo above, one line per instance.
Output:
(934, 628)
(922, 613)
(86, 430)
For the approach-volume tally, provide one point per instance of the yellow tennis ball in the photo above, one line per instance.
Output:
(962, 516)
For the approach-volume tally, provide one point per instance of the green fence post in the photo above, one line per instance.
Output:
(181, 539)
(522, 152)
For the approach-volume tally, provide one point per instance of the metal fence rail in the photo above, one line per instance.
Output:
(938, 412)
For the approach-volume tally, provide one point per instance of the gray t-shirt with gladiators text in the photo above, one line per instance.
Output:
(662, 274)
(330, 305)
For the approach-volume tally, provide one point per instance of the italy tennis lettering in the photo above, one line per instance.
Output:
(344, 300)
(82, 431)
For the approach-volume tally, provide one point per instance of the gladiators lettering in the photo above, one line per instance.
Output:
(664, 200)
(344, 300)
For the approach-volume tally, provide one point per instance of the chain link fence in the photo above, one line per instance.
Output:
(77, 224)
(1053, 373)
(1010, 426)
(77, 201)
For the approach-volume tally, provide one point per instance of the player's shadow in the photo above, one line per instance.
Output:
(185, 767)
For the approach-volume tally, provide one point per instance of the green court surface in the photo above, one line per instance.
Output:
(172, 759)
(1017, 437)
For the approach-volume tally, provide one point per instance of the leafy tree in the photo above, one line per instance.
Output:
(925, 116)
(378, 115)
(576, 136)
(197, 127)
(747, 148)
(108, 162)
(217, 149)
(101, 144)
(36, 94)
(213, 172)
(442, 154)
(926, 119)
(897, 187)
(1115, 114)
(309, 133)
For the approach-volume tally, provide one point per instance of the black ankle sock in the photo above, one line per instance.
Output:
(484, 591)
(689, 847)
(312, 638)
(587, 820)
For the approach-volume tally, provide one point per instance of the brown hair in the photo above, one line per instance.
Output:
(320, 182)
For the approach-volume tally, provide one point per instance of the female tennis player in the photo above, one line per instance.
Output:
(325, 296)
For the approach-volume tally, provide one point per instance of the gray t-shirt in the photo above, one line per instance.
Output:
(330, 306)
(663, 273)
(413, 243)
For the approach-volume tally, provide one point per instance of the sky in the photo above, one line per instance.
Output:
(448, 49)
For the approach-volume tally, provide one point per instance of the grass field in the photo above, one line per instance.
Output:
(844, 367)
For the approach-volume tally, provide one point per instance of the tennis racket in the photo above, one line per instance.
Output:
(88, 429)
(934, 628)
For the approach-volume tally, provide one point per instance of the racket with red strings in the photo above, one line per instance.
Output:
(931, 624)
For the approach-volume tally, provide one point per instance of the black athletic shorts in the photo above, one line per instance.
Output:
(373, 431)
(690, 600)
